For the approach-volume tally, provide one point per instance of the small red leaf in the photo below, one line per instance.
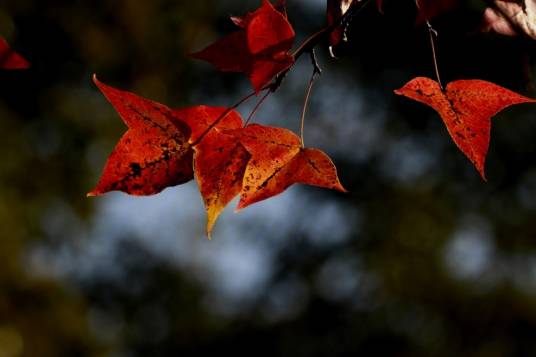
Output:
(335, 11)
(431, 8)
(427, 9)
(278, 161)
(10, 59)
(153, 154)
(466, 107)
(258, 49)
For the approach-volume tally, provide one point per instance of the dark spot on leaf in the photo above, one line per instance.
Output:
(136, 169)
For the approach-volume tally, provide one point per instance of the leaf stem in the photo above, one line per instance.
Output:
(433, 36)
(316, 72)
(257, 106)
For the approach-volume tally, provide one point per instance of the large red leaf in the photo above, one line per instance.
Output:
(153, 154)
(466, 107)
(10, 59)
(277, 161)
(220, 160)
(259, 49)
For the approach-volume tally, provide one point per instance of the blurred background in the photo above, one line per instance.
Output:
(421, 258)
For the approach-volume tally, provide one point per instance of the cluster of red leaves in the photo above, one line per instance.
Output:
(10, 59)
(165, 147)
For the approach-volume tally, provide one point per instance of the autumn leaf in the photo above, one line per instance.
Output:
(336, 9)
(277, 161)
(259, 49)
(427, 9)
(510, 18)
(219, 160)
(466, 107)
(153, 154)
(10, 59)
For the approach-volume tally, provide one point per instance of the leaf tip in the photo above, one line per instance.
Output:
(241, 205)
(210, 226)
(479, 166)
(483, 175)
(339, 187)
(213, 213)
(98, 83)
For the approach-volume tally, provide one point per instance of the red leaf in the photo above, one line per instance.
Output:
(466, 107)
(258, 49)
(431, 8)
(335, 11)
(427, 9)
(337, 8)
(220, 160)
(10, 59)
(277, 161)
(153, 154)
